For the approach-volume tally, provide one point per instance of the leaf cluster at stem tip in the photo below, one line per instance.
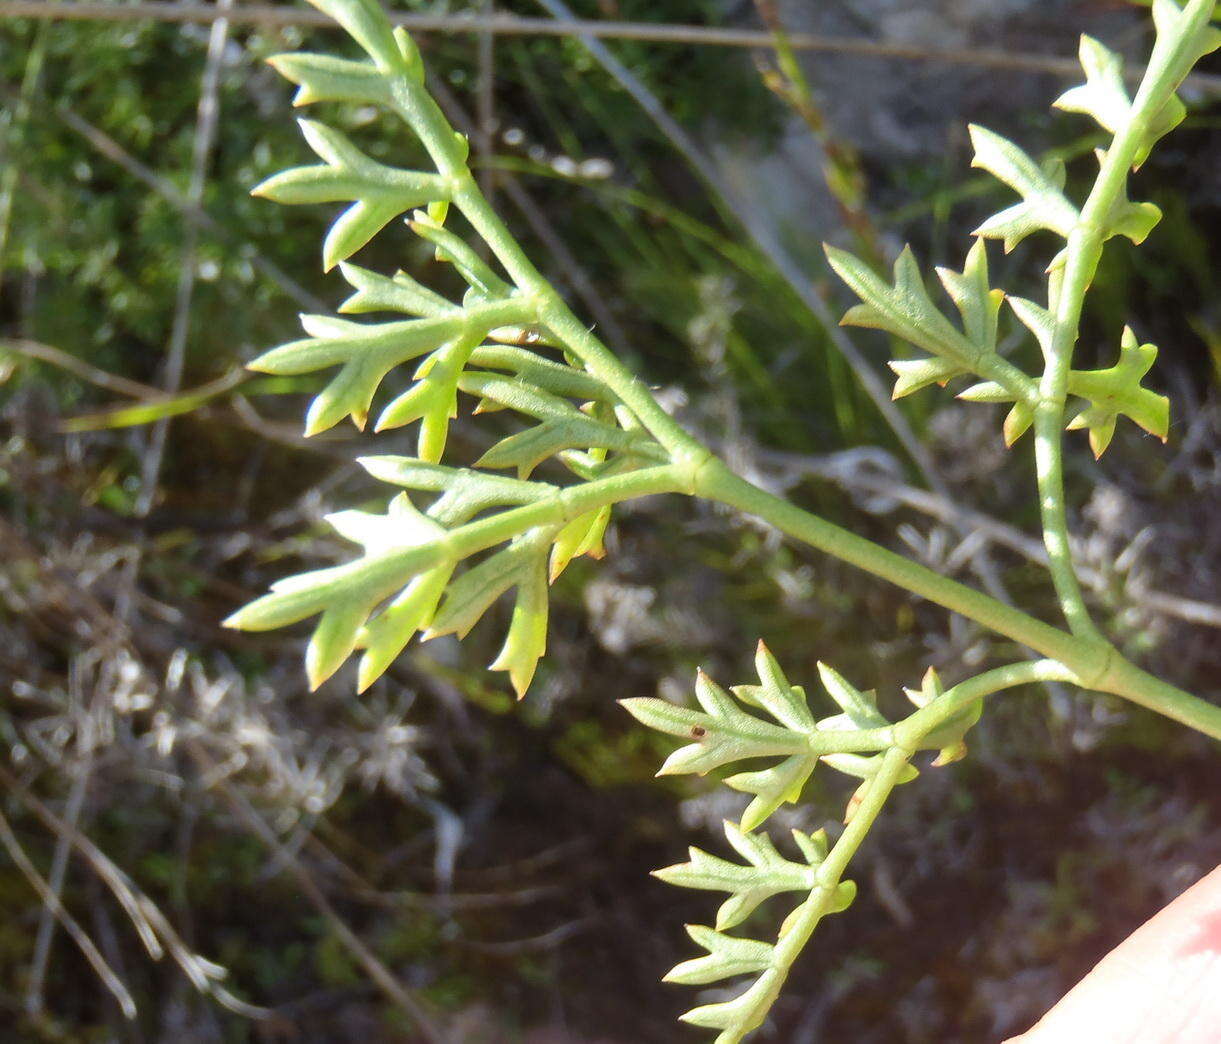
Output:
(773, 720)
(437, 569)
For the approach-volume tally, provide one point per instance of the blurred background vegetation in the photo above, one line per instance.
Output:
(428, 861)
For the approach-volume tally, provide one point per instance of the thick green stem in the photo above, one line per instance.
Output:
(1121, 679)
(695, 470)
(909, 733)
(1167, 67)
(800, 924)
(1088, 659)
(1093, 664)
(1140, 687)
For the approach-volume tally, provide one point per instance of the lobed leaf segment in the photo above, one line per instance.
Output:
(857, 741)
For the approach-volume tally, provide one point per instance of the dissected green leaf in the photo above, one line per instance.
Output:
(914, 374)
(738, 1017)
(398, 547)
(903, 309)
(377, 293)
(321, 77)
(727, 958)
(473, 593)
(334, 639)
(367, 353)
(722, 732)
(433, 398)
(387, 634)
(1133, 220)
(766, 873)
(1043, 205)
(543, 374)
(866, 766)
(1116, 392)
(465, 492)
(1038, 320)
(378, 193)
(976, 300)
(582, 536)
(457, 252)
(784, 702)
(949, 737)
(405, 580)
(773, 787)
(1103, 95)
(367, 24)
(527, 449)
(718, 738)
(860, 709)
(906, 311)
(307, 594)
(497, 391)
(527, 638)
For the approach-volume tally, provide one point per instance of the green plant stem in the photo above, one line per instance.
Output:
(683, 447)
(717, 482)
(1167, 67)
(1093, 663)
(911, 730)
(696, 471)
(880, 786)
(708, 477)
(906, 737)
(563, 506)
(1121, 679)
(1144, 689)
(414, 104)
(800, 924)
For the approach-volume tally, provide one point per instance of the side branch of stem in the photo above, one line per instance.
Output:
(1080, 263)
(1090, 660)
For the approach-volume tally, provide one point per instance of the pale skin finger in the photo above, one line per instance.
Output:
(1162, 985)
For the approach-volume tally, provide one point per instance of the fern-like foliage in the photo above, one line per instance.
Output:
(415, 574)
(586, 434)
(857, 741)
(905, 309)
(723, 733)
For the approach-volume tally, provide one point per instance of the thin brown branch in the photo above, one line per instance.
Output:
(376, 970)
(69, 363)
(154, 929)
(515, 25)
(51, 902)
